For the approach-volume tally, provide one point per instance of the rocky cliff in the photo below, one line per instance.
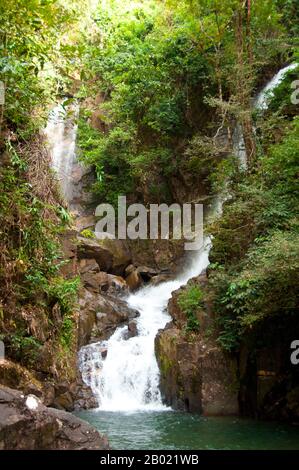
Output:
(196, 375)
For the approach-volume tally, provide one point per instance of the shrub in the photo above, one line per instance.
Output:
(190, 301)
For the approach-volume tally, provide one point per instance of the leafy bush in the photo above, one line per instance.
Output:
(154, 80)
(86, 233)
(190, 301)
(256, 247)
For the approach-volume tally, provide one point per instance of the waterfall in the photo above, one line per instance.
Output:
(60, 132)
(260, 103)
(262, 99)
(127, 379)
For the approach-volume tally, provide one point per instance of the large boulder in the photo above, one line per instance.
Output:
(100, 315)
(99, 281)
(113, 256)
(121, 255)
(87, 316)
(91, 248)
(69, 249)
(57, 394)
(134, 280)
(84, 398)
(111, 312)
(26, 424)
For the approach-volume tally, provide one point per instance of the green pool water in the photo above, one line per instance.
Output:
(171, 430)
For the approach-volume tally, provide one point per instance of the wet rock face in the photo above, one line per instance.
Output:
(196, 375)
(25, 423)
(100, 315)
(84, 398)
(111, 313)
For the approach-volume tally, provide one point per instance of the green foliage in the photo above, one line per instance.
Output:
(109, 156)
(154, 79)
(30, 261)
(26, 347)
(290, 14)
(36, 57)
(256, 246)
(88, 233)
(190, 301)
(64, 292)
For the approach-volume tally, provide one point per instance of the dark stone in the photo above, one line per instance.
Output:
(25, 423)
(90, 248)
(132, 328)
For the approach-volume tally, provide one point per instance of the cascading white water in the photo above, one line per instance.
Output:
(128, 378)
(60, 132)
(262, 99)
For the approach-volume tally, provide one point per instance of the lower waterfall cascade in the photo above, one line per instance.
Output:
(128, 378)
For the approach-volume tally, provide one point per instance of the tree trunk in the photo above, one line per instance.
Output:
(244, 60)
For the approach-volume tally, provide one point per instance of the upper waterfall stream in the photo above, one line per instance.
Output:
(61, 132)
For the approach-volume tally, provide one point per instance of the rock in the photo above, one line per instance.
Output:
(132, 329)
(90, 248)
(37, 321)
(85, 222)
(88, 265)
(100, 315)
(45, 359)
(134, 280)
(112, 284)
(102, 282)
(155, 280)
(83, 178)
(135, 277)
(104, 352)
(25, 423)
(176, 312)
(49, 393)
(111, 312)
(69, 249)
(87, 317)
(196, 376)
(69, 243)
(121, 255)
(64, 401)
(162, 254)
(113, 256)
(129, 269)
(15, 376)
(92, 281)
(84, 398)
(146, 272)
(116, 284)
